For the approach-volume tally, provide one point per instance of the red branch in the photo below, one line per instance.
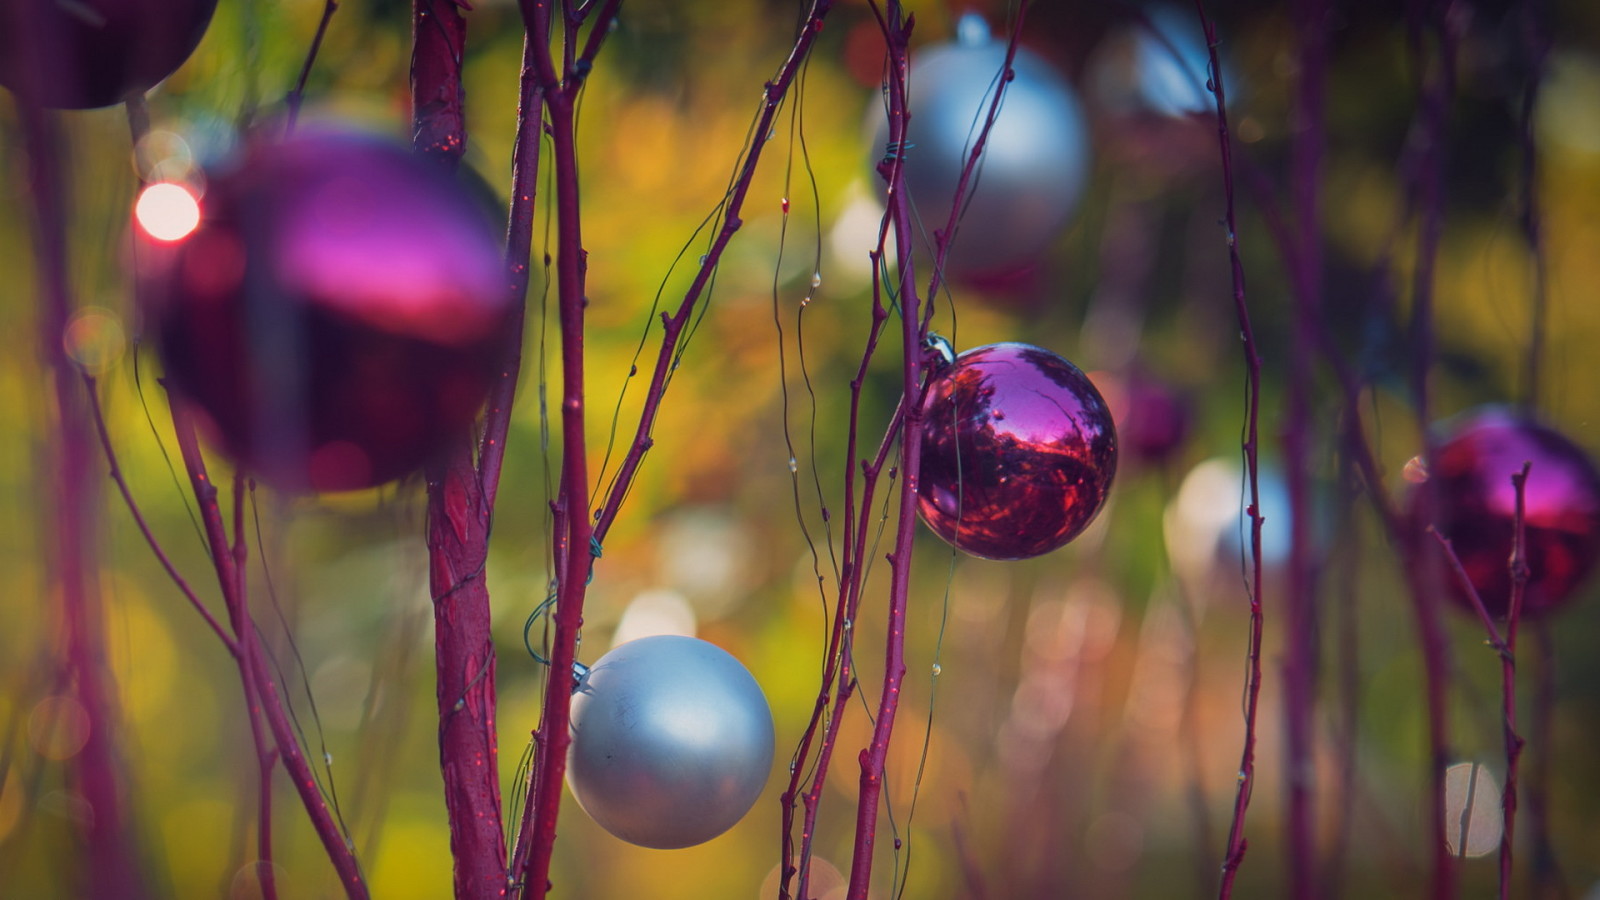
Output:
(897, 33)
(460, 506)
(72, 524)
(1252, 360)
(261, 692)
(673, 325)
(1506, 646)
(1300, 658)
(297, 96)
(574, 530)
(1436, 91)
(117, 478)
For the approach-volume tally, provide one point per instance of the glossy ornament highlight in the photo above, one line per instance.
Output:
(1031, 176)
(1018, 452)
(90, 53)
(1471, 473)
(672, 742)
(335, 315)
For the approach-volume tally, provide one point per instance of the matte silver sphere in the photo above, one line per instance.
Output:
(671, 742)
(1032, 172)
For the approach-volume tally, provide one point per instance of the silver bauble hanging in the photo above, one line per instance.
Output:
(672, 741)
(1031, 175)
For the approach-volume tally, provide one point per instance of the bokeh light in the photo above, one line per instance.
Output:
(167, 211)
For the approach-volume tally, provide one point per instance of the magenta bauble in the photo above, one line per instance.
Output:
(1018, 452)
(337, 313)
(1471, 478)
(90, 53)
(1153, 417)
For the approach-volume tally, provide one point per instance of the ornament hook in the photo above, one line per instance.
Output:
(972, 30)
(940, 348)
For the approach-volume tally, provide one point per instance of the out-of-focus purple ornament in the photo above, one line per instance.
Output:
(1031, 176)
(1018, 452)
(336, 312)
(1152, 416)
(89, 53)
(672, 742)
(1471, 479)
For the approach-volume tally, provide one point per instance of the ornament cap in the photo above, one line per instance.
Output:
(972, 30)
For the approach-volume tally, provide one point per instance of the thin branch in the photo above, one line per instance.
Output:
(260, 689)
(115, 471)
(873, 759)
(1237, 844)
(1508, 676)
(673, 325)
(298, 95)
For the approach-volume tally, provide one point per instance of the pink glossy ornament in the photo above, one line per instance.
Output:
(337, 312)
(89, 53)
(1471, 473)
(1018, 452)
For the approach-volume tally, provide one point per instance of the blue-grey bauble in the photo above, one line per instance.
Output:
(1030, 179)
(672, 741)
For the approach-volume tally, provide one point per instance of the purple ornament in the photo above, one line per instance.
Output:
(337, 312)
(91, 53)
(1018, 452)
(1476, 504)
(1152, 416)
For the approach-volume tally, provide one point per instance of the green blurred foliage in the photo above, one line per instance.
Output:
(1085, 732)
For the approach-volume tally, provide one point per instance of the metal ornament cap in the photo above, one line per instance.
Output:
(1018, 452)
(1476, 508)
(672, 742)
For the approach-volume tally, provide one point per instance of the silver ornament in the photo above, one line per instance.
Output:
(1031, 176)
(672, 741)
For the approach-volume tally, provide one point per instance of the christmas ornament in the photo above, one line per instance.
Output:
(1152, 416)
(336, 313)
(1173, 64)
(1028, 181)
(672, 742)
(89, 53)
(1470, 477)
(1018, 452)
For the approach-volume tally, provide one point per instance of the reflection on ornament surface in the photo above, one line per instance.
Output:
(672, 742)
(1471, 477)
(1018, 452)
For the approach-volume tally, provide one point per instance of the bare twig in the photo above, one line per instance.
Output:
(298, 95)
(115, 471)
(1508, 677)
(261, 692)
(1252, 359)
